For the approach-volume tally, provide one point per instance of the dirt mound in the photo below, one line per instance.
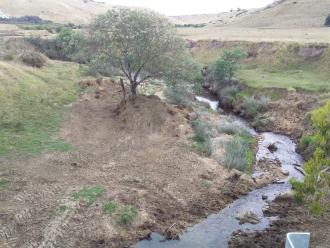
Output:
(145, 113)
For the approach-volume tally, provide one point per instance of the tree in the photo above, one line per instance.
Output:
(327, 21)
(142, 44)
(68, 43)
(227, 65)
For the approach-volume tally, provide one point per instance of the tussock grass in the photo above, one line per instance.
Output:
(239, 153)
(110, 207)
(89, 195)
(32, 102)
(123, 214)
(126, 215)
(202, 139)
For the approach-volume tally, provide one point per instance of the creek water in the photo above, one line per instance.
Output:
(216, 229)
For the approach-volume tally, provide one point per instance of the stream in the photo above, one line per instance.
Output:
(216, 229)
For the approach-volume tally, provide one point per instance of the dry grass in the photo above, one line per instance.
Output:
(289, 14)
(80, 11)
(301, 35)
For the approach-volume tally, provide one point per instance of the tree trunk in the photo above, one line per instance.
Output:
(133, 88)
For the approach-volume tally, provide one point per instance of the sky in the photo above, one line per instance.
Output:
(189, 7)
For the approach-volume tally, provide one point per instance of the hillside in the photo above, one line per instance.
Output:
(288, 14)
(63, 11)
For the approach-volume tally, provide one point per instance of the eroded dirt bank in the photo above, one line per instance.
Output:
(293, 218)
(141, 157)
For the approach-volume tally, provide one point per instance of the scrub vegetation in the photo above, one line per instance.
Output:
(315, 188)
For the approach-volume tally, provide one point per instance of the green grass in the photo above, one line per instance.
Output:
(288, 79)
(126, 215)
(89, 195)
(110, 207)
(123, 214)
(32, 103)
(3, 183)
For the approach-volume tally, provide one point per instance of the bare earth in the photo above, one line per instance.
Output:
(146, 163)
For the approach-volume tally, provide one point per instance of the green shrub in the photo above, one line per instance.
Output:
(202, 130)
(228, 129)
(203, 147)
(316, 185)
(66, 45)
(239, 153)
(177, 96)
(98, 65)
(308, 145)
(3, 183)
(227, 96)
(327, 21)
(250, 107)
(8, 57)
(202, 138)
(260, 121)
(33, 59)
(126, 215)
(228, 64)
(89, 195)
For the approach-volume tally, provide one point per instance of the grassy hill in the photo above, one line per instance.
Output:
(288, 14)
(62, 11)
(31, 104)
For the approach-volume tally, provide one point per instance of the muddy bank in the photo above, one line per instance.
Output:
(292, 218)
(286, 112)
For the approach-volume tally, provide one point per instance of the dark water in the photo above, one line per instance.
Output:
(215, 231)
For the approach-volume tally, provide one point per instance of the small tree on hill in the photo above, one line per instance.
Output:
(327, 21)
(227, 65)
(140, 43)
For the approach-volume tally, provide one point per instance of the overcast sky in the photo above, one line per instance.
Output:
(186, 7)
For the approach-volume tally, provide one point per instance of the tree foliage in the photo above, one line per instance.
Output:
(316, 184)
(227, 65)
(142, 44)
(66, 45)
(327, 21)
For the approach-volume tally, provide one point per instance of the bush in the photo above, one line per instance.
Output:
(202, 130)
(250, 107)
(227, 96)
(203, 147)
(126, 215)
(8, 57)
(227, 65)
(177, 96)
(239, 153)
(308, 145)
(202, 138)
(260, 121)
(327, 21)
(229, 129)
(33, 59)
(316, 185)
(67, 45)
(97, 66)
